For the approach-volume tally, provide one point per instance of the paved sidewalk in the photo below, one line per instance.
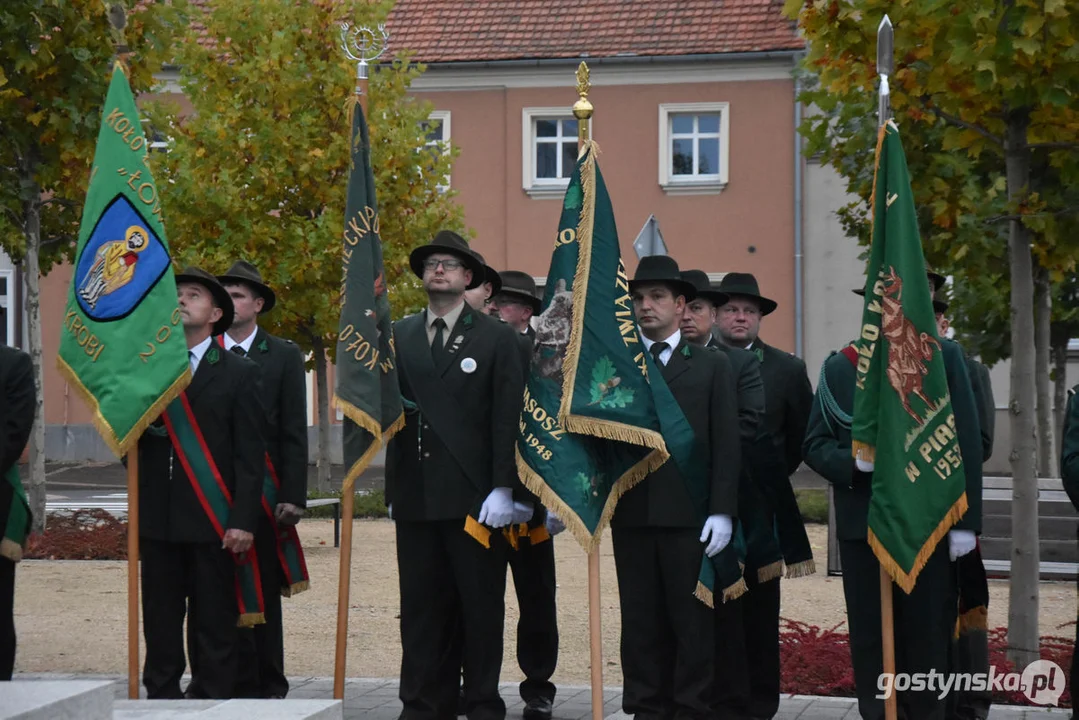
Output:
(376, 699)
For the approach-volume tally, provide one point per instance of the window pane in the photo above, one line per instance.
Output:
(569, 128)
(708, 123)
(546, 160)
(708, 162)
(569, 158)
(546, 128)
(682, 157)
(682, 124)
(434, 130)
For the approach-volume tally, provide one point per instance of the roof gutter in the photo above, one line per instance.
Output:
(785, 55)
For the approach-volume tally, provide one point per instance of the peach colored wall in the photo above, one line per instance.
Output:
(712, 232)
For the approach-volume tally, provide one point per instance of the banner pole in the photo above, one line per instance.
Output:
(344, 579)
(582, 110)
(887, 637)
(133, 573)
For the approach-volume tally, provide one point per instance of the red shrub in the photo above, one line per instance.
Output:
(81, 535)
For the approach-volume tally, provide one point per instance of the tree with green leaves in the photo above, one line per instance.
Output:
(56, 58)
(259, 170)
(997, 84)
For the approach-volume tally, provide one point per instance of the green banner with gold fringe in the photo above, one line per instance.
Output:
(122, 344)
(367, 392)
(903, 427)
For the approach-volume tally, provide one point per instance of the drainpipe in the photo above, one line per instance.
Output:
(799, 302)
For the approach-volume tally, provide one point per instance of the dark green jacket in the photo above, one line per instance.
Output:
(1069, 447)
(983, 398)
(787, 397)
(828, 443)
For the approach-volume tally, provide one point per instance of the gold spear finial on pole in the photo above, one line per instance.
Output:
(582, 109)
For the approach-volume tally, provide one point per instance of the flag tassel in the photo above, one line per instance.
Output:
(906, 580)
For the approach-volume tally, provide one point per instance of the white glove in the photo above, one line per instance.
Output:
(554, 525)
(863, 465)
(497, 510)
(960, 542)
(522, 512)
(717, 533)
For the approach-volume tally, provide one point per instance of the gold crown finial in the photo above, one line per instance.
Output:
(582, 109)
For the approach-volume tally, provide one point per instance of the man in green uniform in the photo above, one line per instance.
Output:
(667, 633)
(925, 619)
(1069, 471)
(787, 396)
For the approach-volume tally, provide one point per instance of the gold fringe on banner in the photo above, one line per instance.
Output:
(379, 437)
(295, 588)
(121, 446)
(10, 550)
(705, 595)
(973, 619)
(904, 579)
(801, 569)
(771, 571)
(863, 451)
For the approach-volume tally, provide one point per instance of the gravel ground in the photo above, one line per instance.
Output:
(71, 615)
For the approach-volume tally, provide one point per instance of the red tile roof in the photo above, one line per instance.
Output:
(441, 31)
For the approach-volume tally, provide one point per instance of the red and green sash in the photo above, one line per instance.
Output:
(289, 550)
(193, 453)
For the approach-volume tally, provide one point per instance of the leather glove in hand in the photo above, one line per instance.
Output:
(497, 510)
(960, 543)
(522, 512)
(554, 525)
(717, 533)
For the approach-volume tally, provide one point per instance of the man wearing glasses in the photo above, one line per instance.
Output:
(451, 478)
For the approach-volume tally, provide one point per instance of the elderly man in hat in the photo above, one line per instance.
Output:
(451, 477)
(787, 397)
(663, 526)
(283, 389)
(200, 486)
(532, 563)
(481, 297)
(925, 620)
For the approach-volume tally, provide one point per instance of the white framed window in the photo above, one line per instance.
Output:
(7, 307)
(694, 139)
(437, 129)
(548, 150)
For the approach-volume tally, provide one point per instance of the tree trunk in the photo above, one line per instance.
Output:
(1043, 308)
(1060, 387)
(322, 382)
(1023, 644)
(36, 488)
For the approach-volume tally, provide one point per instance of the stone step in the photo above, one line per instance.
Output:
(995, 548)
(56, 700)
(1049, 528)
(228, 710)
(1046, 570)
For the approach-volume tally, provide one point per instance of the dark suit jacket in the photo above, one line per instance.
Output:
(283, 390)
(983, 398)
(224, 397)
(704, 386)
(16, 417)
(1069, 448)
(828, 444)
(751, 400)
(459, 441)
(787, 397)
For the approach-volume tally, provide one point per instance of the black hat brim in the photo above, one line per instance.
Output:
(221, 298)
(418, 256)
(269, 299)
(532, 300)
(491, 275)
(681, 287)
(768, 306)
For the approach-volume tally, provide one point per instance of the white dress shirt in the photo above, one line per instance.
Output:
(672, 343)
(246, 344)
(195, 354)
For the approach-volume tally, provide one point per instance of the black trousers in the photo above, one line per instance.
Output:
(667, 633)
(262, 648)
(174, 575)
(537, 629)
(7, 618)
(449, 583)
(747, 652)
(924, 627)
